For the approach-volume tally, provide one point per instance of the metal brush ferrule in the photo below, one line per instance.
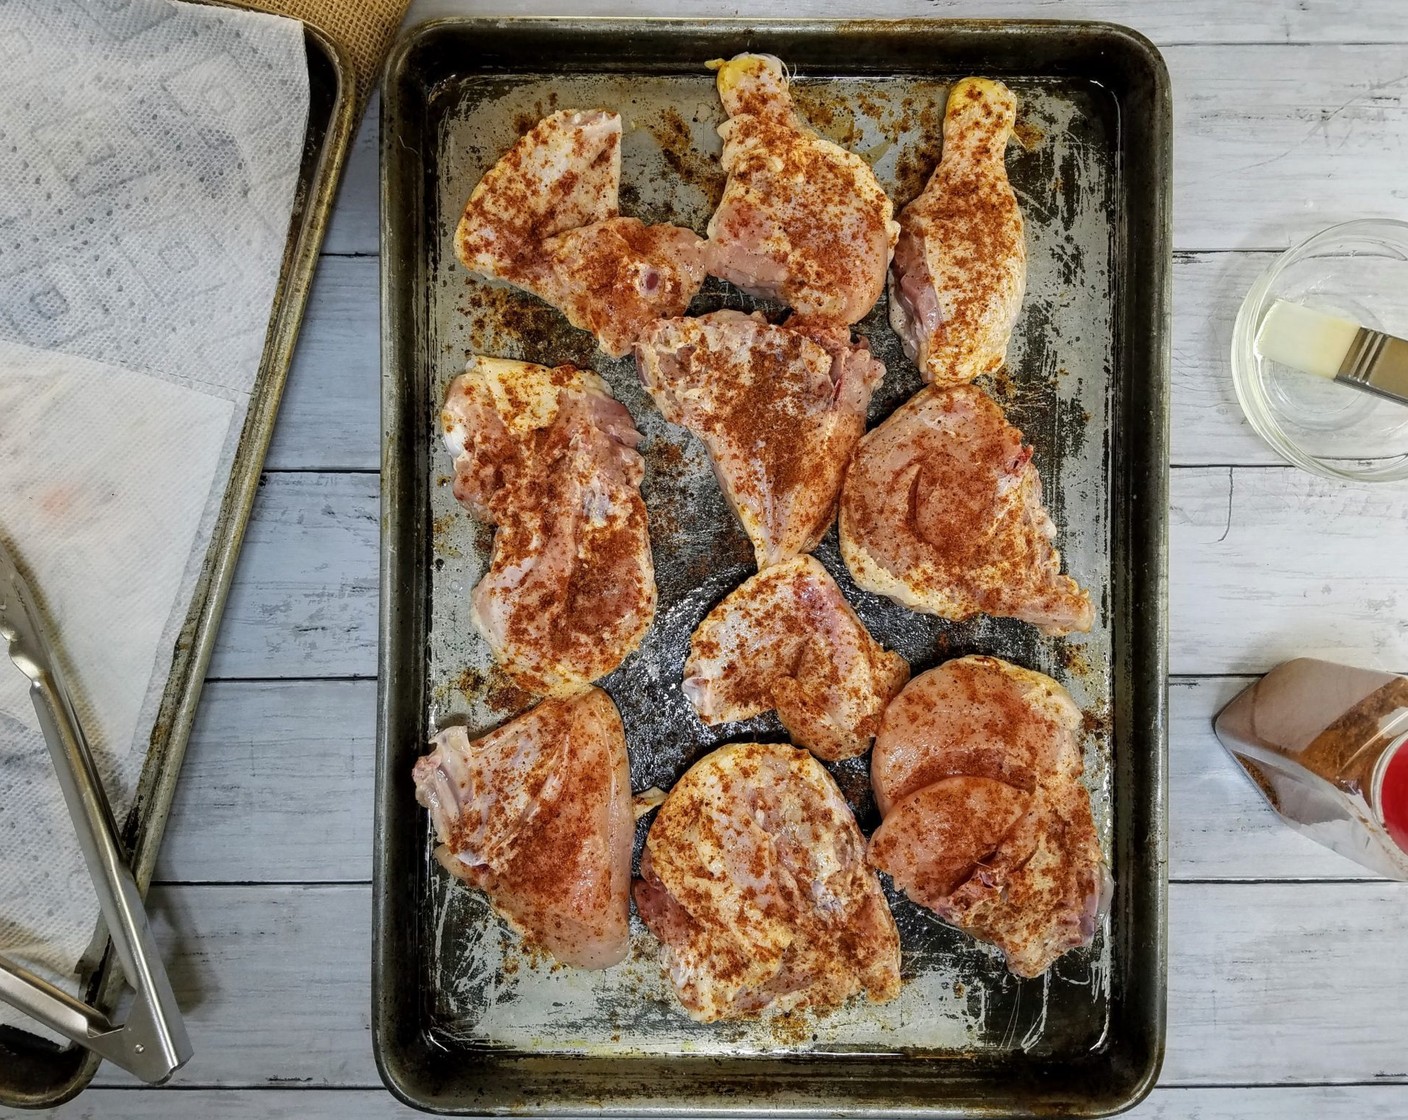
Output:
(1377, 363)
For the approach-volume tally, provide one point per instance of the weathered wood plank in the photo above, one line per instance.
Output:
(1351, 1102)
(353, 227)
(1220, 826)
(1271, 563)
(329, 418)
(1268, 982)
(276, 786)
(1273, 142)
(303, 603)
(1206, 424)
(1286, 982)
(273, 981)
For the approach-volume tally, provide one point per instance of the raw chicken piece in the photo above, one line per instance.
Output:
(801, 219)
(754, 879)
(941, 511)
(779, 412)
(544, 218)
(961, 262)
(563, 173)
(538, 815)
(550, 458)
(787, 639)
(1003, 848)
(974, 715)
(615, 278)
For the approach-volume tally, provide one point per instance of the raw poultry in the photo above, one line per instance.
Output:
(977, 772)
(961, 261)
(788, 640)
(801, 219)
(538, 815)
(941, 511)
(755, 882)
(545, 218)
(778, 411)
(549, 458)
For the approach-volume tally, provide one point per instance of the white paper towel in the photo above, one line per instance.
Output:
(149, 155)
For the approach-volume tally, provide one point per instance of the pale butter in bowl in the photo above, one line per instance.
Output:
(1298, 329)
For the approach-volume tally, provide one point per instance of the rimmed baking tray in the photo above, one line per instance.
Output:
(35, 1073)
(463, 1019)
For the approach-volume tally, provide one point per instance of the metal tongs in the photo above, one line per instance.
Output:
(152, 1043)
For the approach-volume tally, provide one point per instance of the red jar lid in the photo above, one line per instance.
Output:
(1393, 796)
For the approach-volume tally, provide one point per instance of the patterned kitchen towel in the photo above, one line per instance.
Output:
(149, 156)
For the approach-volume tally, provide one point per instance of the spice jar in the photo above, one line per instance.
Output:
(1325, 744)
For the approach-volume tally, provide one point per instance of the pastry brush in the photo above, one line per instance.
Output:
(1336, 349)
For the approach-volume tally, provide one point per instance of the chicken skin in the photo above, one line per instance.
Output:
(537, 814)
(549, 457)
(788, 640)
(616, 278)
(754, 880)
(778, 411)
(977, 773)
(801, 219)
(563, 173)
(941, 511)
(961, 262)
(544, 218)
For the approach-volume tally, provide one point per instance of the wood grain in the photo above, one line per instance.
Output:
(303, 603)
(329, 419)
(1272, 563)
(276, 786)
(272, 980)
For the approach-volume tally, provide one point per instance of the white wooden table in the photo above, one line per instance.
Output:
(1288, 972)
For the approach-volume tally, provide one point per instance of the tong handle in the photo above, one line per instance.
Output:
(152, 1043)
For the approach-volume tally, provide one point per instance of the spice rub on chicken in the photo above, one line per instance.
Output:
(779, 412)
(941, 511)
(976, 771)
(788, 640)
(549, 457)
(961, 262)
(537, 814)
(545, 218)
(755, 882)
(801, 219)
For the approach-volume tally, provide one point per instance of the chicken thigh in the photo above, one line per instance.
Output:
(779, 412)
(801, 219)
(544, 218)
(977, 773)
(941, 511)
(538, 815)
(549, 457)
(961, 261)
(754, 880)
(788, 640)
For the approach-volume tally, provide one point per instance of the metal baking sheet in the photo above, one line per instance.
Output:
(35, 1073)
(465, 1018)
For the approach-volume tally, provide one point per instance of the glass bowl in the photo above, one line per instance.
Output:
(1357, 270)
